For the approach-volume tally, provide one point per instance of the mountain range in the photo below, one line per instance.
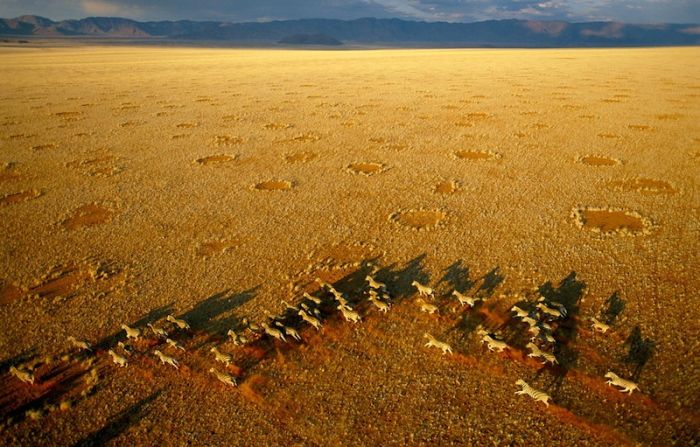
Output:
(368, 31)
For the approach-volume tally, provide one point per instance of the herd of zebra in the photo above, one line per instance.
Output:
(541, 321)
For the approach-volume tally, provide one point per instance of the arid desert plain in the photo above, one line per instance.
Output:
(220, 185)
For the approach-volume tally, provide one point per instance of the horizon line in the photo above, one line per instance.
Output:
(350, 20)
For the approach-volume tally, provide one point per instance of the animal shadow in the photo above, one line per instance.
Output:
(490, 281)
(457, 277)
(204, 315)
(615, 306)
(568, 293)
(399, 280)
(639, 351)
(119, 423)
(154, 315)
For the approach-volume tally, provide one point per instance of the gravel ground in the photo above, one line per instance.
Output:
(213, 184)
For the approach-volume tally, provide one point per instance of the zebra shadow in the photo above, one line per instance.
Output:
(640, 350)
(568, 293)
(119, 423)
(615, 306)
(489, 282)
(397, 279)
(151, 317)
(64, 377)
(456, 277)
(206, 316)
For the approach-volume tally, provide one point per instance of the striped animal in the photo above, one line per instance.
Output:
(250, 325)
(548, 337)
(131, 332)
(551, 308)
(309, 310)
(289, 331)
(224, 378)
(238, 339)
(379, 304)
(182, 324)
(80, 344)
(432, 341)
(530, 321)
(220, 356)
(118, 359)
(535, 331)
(323, 283)
(545, 326)
(174, 344)
(338, 296)
(599, 325)
(349, 314)
(312, 298)
(533, 393)
(463, 299)
(519, 313)
(273, 332)
(24, 376)
(426, 307)
(535, 351)
(166, 359)
(422, 290)
(289, 306)
(626, 385)
(492, 343)
(158, 331)
(128, 350)
(313, 321)
(374, 284)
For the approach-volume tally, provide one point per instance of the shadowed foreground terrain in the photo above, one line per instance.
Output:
(213, 184)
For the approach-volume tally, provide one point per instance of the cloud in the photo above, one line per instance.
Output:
(680, 11)
(110, 8)
(406, 8)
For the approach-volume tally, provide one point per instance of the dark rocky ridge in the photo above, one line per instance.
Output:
(310, 39)
(504, 33)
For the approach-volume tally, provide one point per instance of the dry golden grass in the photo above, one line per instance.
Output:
(212, 184)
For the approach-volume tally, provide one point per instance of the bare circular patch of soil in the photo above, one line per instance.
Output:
(598, 160)
(273, 185)
(215, 159)
(211, 248)
(300, 157)
(366, 168)
(8, 173)
(341, 256)
(476, 155)
(9, 293)
(187, 125)
(641, 127)
(41, 147)
(226, 140)
(395, 146)
(644, 185)
(88, 215)
(306, 137)
(446, 187)
(611, 221)
(277, 126)
(419, 219)
(19, 197)
(478, 115)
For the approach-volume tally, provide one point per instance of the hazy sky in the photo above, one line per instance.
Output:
(679, 11)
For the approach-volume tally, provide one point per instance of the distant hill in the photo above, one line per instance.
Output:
(504, 33)
(310, 39)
